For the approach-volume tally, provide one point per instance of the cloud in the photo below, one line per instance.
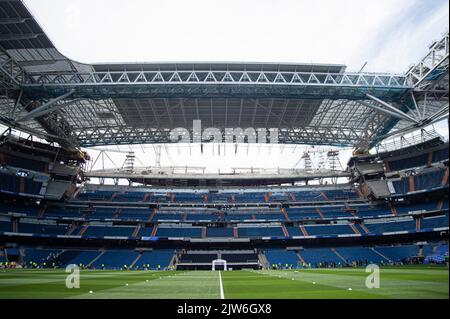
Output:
(404, 40)
(389, 34)
(326, 31)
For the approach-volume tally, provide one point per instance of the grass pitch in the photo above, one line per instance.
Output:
(417, 282)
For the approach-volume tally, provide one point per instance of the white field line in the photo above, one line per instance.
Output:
(222, 295)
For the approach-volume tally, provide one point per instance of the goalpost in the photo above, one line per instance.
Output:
(219, 262)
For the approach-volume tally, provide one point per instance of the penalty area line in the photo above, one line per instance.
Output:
(222, 295)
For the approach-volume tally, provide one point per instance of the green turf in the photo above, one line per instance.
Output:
(396, 282)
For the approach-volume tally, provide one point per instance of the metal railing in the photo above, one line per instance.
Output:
(218, 77)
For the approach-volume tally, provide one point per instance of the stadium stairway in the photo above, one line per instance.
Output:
(59, 253)
(352, 226)
(173, 261)
(263, 260)
(152, 215)
(319, 212)
(360, 194)
(411, 183)
(359, 254)
(154, 231)
(204, 232)
(71, 229)
(135, 260)
(83, 230)
(77, 192)
(380, 254)
(430, 159)
(338, 254)
(324, 196)
(397, 253)
(303, 229)
(393, 210)
(285, 231)
(440, 205)
(445, 178)
(75, 257)
(364, 228)
(38, 255)
(117, 213)
(21, 254)
(286, 216)
(301, 258)
(136, 231)
(314, 256)
(41, 212)
(102, 252)
(116, 259)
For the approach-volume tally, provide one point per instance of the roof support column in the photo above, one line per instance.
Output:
(443, 112)
(46, 108)
(388, 112)
(393, 109)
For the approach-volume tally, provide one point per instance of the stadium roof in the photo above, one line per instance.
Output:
(76, 104)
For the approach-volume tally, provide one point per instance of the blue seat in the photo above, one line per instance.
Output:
(101, 231)
(155, 258)
(116, 259)
(194, 232)
(260, 232)
(282, 257)
(329, 230)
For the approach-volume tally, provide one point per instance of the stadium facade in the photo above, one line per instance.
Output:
(394, 207)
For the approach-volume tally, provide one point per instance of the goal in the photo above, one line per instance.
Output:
(219, 262)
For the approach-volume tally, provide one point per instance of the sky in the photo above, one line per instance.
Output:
(389, 35)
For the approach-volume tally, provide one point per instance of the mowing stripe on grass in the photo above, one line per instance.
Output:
(222, 295)
(394, 282)
(398, 282)
(196, 284)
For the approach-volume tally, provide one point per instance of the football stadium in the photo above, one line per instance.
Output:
(370, 224)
